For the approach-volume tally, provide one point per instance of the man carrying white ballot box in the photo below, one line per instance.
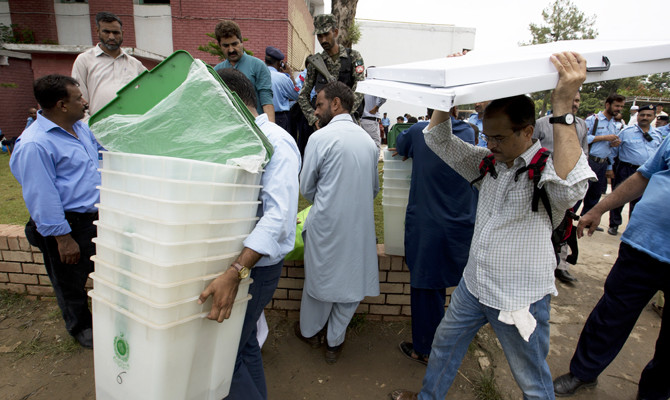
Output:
(509, 276)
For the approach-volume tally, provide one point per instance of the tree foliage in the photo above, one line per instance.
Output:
(345, 14)
(563, 21)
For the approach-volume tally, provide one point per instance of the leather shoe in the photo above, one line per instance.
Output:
(599, 229)
(612, 230)
(314, 341)
(85, 338)
(333, 353)
(564, 276)
(566, 385)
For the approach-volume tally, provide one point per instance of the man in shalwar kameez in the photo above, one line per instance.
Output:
(340, 177)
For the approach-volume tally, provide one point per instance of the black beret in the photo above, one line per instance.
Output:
(274, 52)
(648, 107)
(663, 118)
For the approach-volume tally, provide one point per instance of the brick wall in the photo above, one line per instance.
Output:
(264, 23)
(22, 271)
(38, 15)
(123, 9)
(16, 96)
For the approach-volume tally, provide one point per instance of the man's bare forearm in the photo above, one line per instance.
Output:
(629, 190)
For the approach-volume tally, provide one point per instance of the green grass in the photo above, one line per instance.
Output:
(486, 388)
(12, 208)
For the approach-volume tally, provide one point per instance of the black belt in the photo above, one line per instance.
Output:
(78, 218)
(599, 160)
(625, 164)
(371, 118)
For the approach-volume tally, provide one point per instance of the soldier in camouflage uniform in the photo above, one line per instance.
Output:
(345, 65)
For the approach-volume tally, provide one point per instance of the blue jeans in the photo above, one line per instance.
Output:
(248, 381)
(464, 317)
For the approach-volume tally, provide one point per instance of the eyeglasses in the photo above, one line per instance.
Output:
(499, 139)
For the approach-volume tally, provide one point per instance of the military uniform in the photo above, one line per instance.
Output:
(350, 75)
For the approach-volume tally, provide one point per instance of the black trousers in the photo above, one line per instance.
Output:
(632, 282)
(283, 119)
(623, 171)
(595, 189)
(69, 280)
(427, 307)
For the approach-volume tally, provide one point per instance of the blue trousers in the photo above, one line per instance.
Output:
(464, 317)
(248, 377)
(427, 307)
(597, 188)
(632, 282)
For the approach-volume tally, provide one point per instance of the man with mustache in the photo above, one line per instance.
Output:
(345, 65)
(339, 177)
(56, 162)
(104, 69)
(229, 37)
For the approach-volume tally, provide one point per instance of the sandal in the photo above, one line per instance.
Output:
(401, 394)
(407, 349)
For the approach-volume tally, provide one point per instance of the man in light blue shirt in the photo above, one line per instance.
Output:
(56, 163)
(370, 118)
(386, 122)
(642, 268)
(638, 144)
(662, 125)
(264, 249)
(602, 139)
(229, 37)
(283, 89)
(477, 119)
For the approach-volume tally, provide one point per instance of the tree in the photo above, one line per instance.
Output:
(213, 48)
(563, 21)
(345, 14)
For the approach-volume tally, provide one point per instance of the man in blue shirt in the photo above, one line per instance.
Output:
(602, 139)
(439, 223)
(56, 163)
(229, 37)
(638, 144)
(662, 125)
(264, 249)
(386, 122)
(642, 268)
(477, 119)
(283, 89)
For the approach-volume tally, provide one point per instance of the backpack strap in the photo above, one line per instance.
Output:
(485, 166)
(535, 168)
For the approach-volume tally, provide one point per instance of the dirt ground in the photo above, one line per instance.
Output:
(39, 361)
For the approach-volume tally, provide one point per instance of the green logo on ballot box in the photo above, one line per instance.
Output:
(121, 351)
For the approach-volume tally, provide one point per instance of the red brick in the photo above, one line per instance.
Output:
(23, 278)
(23, 244)
(390, 287)
(399, 277)
(41, 290)
(290, 283)
(295, 294)
(281, 294)
(10, 266)
(375, 300)
(286, 304)
(38, 16)
(296, 272)
(384, 309)
(13, 287)
(3, 243)
(397, 299)
(37, 269)
(13, 243)
(19, 256)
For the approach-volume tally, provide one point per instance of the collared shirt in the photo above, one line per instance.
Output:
(634, 148)
(386, 122)
(57, 173)
(544, 132)
(100, 76)
(647, 229)
(479, 123)
(663, 131)
(512, 261)
(606, 126)
(283, 90)
(258, 74)
(29, 122)
(274, 234)
(370, 102)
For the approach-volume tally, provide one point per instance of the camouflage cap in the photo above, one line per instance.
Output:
(324, 23)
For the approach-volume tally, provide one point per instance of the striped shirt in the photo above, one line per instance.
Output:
(511, 262)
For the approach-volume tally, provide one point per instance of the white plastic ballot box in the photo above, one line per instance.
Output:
(491, 74)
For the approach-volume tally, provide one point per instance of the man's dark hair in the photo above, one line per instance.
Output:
(240, 84)
(50, 89)
(412, 120)
(519, 109)
(104, 16)
(614, 98)
(226, 29)
(429, 112)
(341, 91)
(271, 61)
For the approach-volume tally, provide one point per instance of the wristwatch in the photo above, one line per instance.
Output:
(242, 271)
(567, 119)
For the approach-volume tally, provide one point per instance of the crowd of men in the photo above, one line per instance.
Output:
(471, 191)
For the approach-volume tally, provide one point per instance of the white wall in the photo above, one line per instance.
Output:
(73, 23)
(5, 18)
(153, 28)
(385, 43)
